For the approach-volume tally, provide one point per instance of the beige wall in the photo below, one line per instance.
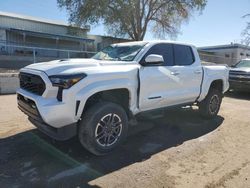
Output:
(228, 56)
(9, 82)
(30, 25)
(2, 34)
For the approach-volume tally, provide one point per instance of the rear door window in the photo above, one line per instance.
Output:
(183, 55)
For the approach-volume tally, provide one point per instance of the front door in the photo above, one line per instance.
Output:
(157, 84)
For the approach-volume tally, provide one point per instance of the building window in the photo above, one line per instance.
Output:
(227, 55)
(241, 54)
(99, 46)
(247, 55)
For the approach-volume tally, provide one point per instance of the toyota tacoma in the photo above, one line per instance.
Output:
(96, 98)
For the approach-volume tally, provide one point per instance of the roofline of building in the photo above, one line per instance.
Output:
(40, 20)
(226, 46)
(205, 51)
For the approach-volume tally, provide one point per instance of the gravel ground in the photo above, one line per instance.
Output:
(179, 150)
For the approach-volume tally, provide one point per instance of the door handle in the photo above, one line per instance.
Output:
(197, 71)
(175, 73)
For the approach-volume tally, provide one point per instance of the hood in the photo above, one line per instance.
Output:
(74, 66)
(245, 69)
(63, 66)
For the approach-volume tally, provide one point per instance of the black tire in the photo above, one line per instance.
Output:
(210, 106)
(95, 123)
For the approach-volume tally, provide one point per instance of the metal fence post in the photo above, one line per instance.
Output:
(34, 55)
(68, 55)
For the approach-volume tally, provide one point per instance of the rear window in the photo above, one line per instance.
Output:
(183, 55)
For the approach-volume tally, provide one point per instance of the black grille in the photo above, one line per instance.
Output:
(32, 83)
(234, 72)
(28, 106)
(239, 76)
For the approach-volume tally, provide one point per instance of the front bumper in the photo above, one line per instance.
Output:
(29, 107)
(56, 114)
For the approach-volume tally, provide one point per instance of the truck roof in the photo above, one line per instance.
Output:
(152, 42)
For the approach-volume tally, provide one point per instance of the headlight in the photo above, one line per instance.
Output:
(66, 81)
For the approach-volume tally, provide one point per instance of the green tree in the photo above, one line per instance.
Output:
(132, 18)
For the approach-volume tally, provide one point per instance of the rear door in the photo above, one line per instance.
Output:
(188, 71)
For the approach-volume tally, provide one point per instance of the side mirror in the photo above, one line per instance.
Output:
(154, 59)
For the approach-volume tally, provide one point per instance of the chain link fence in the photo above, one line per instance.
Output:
(36, 53)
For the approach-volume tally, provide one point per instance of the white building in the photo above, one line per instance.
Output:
(25, 40)
(224, 54)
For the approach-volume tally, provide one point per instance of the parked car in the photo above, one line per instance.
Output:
(239, 76)
(96, 98)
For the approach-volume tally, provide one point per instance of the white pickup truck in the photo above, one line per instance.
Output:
(96, 98)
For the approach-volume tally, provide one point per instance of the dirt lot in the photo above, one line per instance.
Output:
(179, 150)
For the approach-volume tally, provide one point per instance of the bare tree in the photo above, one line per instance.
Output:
(133, 18)
(246, 32)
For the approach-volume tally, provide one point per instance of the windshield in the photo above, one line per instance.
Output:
(243, 63)
(119, 52)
